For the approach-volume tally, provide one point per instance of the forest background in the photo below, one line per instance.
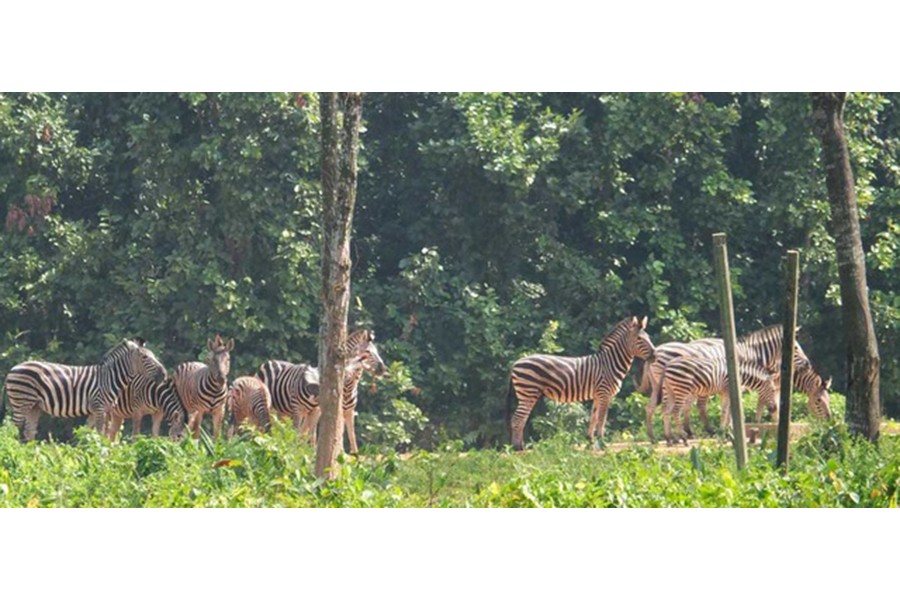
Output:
(487, 226)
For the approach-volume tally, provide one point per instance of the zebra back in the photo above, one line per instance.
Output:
(249, 399)
(291, 386)
(56, 389)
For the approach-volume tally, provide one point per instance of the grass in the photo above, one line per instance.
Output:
(828, 469)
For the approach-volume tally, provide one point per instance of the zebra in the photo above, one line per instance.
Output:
(649, 373)
(202, 387)
(596, 377)
(295, 387)
(248, 400)
(291, 388)
(691, 376)
(143, 397)
(74, 391)
(369, 362)
(762, 347)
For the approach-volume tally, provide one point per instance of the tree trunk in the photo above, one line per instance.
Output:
(863, 402)
(338, 198)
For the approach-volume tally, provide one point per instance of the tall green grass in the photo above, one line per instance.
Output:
(828, 468)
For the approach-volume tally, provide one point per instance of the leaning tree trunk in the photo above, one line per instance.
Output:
(338, 198)
(863, 402)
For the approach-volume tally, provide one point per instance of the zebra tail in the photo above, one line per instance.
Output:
(510, 397)
(656, 396)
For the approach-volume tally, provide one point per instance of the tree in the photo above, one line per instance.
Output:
(339, 168)
(863, 402)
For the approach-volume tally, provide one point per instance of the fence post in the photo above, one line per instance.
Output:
(726, 308)
(787, 359)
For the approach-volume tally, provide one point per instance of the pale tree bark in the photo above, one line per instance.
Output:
(863, 401)
(339, 167)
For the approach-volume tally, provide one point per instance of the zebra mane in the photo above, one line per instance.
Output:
(118, 351)
(761, 335)
(357, 340)
(618, 332)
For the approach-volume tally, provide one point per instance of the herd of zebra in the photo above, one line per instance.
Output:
(673, 375)
(130, 383)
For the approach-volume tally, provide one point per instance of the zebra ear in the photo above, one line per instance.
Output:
(828, 383)
(209, 344)
(140, 341)
(230, 345)
(644, 323)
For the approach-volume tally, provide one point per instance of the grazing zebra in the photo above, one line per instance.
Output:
(295, 388)
(811, 383)
(806, 381)
(292, 388)
(144, 397)
(690, 376)
(202, 387)
(650, 372)
(596, 377)
(75, 391)
(762, 347)
(248, 400)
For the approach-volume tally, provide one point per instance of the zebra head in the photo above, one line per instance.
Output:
(638, 340)
(361, 345)
(139, 360)
(219, 358)
(819, 401)
(173, 409)
(769, 394)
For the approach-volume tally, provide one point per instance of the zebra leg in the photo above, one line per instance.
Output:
(686, 414)
(194, 424)
(29, 423)
(704, 415)
(297, 419)
(602, 411)
(651, 408)
(157, 421)
(313, 427)
(218, 415)
(112, 428)
(351, 434)
(519, 417)
(136, 420)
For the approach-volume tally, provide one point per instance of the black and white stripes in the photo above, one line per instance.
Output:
(596, 377)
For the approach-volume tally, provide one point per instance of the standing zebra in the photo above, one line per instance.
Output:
(248, 400)
(143, 397)
(596, 377)
(369, 362)
(202, 387)
(689, 377)
(295, 387)
(75, 391)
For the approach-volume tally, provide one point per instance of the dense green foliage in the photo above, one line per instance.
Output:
(829, 469)
(487, 226)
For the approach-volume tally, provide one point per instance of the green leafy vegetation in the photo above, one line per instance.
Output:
(488, 226)
(828, 469)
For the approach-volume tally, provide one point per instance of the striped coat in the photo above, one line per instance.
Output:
(36, 387)
(146, 397)
(295, 387)
(597, 377)
(689, 377)
(203, 387)
(248, 400)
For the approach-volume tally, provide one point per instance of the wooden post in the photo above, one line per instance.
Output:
(787, 358)
(726, 308)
